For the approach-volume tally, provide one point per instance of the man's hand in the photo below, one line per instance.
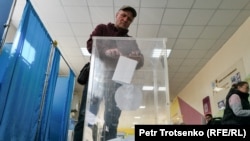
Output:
(136, 55)
(113, 53)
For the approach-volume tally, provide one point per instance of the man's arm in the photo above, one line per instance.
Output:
(98, 31)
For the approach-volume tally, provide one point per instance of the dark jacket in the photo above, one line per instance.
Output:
(215, 121)
(229, 117)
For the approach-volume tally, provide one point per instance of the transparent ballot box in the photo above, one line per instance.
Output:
(128, 85)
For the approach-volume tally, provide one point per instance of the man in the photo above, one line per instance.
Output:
(208, 118)
(109, 53)
(212, 120)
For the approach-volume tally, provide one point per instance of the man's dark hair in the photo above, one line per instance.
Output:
(210, 115)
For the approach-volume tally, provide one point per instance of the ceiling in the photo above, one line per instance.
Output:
(195, 29)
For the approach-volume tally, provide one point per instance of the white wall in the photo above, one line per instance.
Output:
(235, 49)
(11, 34)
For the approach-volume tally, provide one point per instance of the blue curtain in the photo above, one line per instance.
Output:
(47, 102)
(61, 108)
(5, 10)
(19, 120)
(7, 62)
(32, 102)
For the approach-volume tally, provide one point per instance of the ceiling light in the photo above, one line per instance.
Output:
(161, 52)
(85, 51)
(147, 88)
(162, 89)
(137, 117)
(142, 107)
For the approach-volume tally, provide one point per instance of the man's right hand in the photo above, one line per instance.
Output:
(113, 53)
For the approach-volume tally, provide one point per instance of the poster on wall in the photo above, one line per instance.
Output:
(236, 78)
(221, 105)
(206, 105)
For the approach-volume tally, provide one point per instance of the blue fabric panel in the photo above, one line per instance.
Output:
(48, 98)
(7, 61)
(5, 7)
(31, 101)
(61, 109)
(26, 89)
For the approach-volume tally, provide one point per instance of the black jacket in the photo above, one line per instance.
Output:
(229, 117)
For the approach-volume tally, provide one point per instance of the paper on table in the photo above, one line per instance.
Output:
(124, 70)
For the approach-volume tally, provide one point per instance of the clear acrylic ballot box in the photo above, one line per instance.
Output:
(128, 85)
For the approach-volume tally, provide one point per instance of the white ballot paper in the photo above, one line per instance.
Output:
(124, 70)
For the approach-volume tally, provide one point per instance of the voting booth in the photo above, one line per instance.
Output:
(128, 85)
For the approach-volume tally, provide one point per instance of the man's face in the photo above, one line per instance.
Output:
(208, 118)
(124, 19)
